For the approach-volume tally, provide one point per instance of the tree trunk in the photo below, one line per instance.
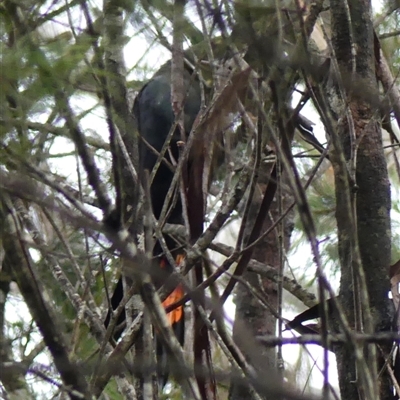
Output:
(253, 319)
(370, 191)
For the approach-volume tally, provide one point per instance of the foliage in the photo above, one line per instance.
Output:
(72, 214)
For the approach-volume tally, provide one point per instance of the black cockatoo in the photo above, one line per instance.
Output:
(154, 116)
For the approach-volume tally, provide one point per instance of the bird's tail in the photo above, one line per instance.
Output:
(175, 316)
(176, 319)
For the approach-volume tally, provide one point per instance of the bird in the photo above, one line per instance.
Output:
(314, 312)
(154, 117)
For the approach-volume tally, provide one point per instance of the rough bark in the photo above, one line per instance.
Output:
(352, 30)
(251, 318)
